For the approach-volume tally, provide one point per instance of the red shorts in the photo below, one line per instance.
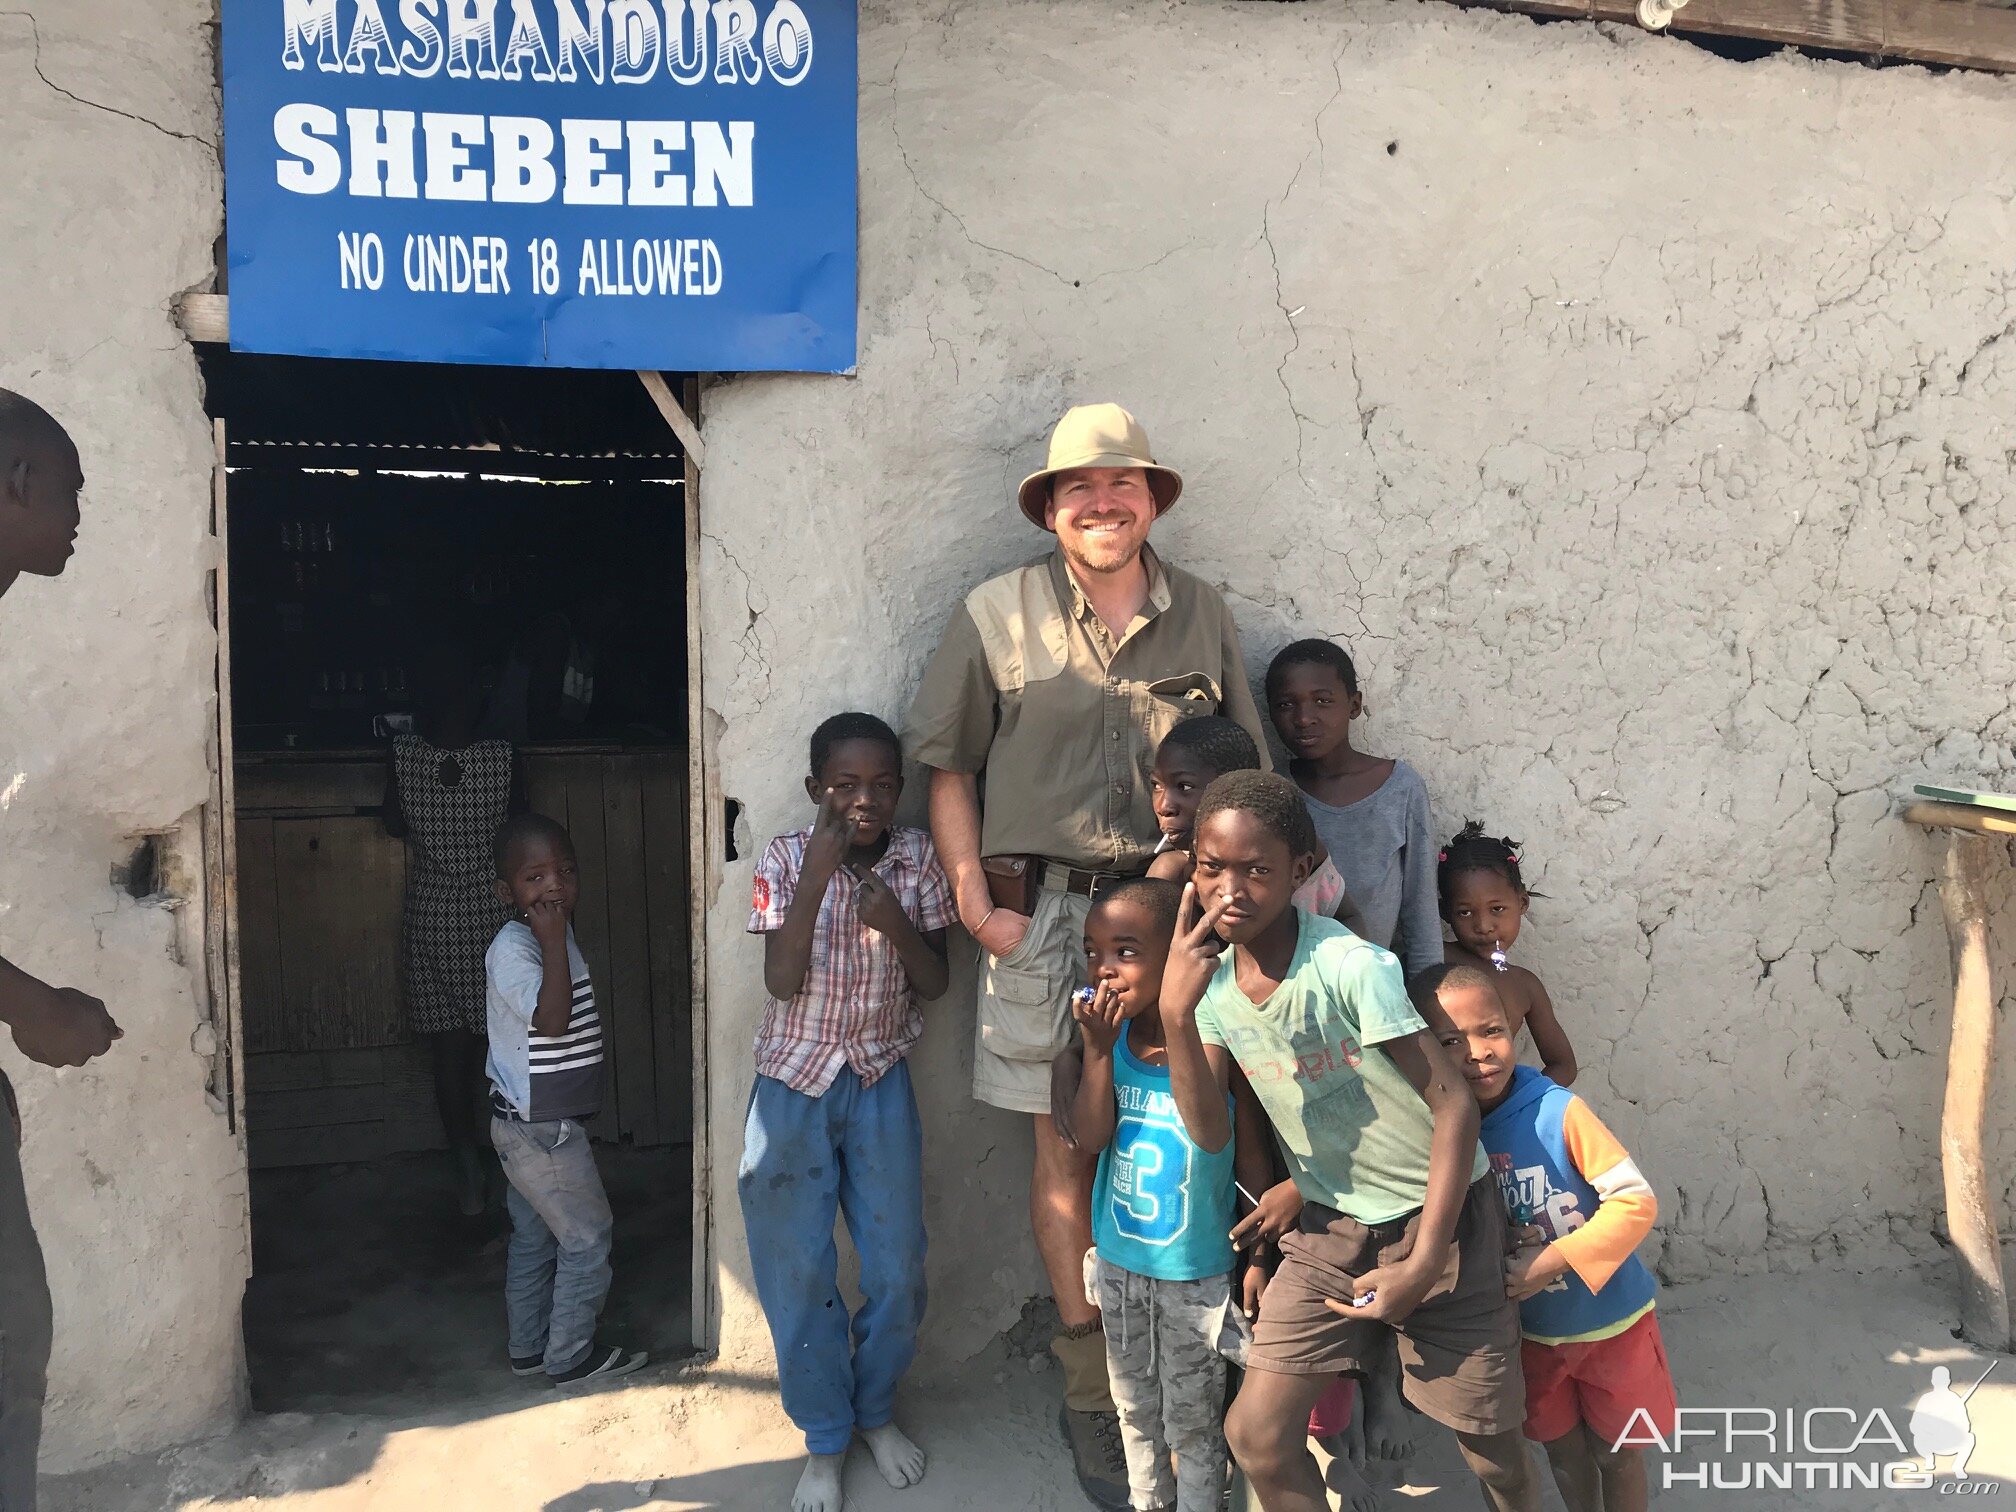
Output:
(1332, 1413)
(1602, 1384)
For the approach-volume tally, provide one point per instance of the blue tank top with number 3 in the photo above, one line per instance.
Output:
(1162, 1206)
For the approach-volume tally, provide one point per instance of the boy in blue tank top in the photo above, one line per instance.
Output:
(1160, 1270)
(1594, 1363)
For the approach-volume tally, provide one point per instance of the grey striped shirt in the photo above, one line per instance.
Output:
(541, 1077)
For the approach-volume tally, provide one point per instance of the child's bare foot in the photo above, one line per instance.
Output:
(1388, 1433)
(819, 1487)
(1350, 1444)
(1349, 1487)
(900, 1461)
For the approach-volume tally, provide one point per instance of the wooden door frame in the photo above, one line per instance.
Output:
(220, 830)
(682, 415)
(206, 317)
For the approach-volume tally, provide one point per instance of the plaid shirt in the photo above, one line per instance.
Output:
(856, 1007)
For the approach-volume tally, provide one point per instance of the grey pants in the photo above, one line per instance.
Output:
(556, 1271)
(24, 1334)
(1162, 1351)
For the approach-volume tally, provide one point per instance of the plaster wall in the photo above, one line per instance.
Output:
(114, 201)
(1635, 416)
(1639, 420)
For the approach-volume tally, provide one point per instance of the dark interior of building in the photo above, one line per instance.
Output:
(384, 519)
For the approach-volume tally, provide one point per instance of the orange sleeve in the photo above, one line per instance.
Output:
(1625, 1208)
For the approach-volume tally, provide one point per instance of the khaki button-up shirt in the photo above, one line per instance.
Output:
(1029, 687)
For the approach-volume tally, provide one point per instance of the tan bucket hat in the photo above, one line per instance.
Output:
(1098, 435)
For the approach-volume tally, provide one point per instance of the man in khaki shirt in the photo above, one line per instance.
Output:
(1056, 682)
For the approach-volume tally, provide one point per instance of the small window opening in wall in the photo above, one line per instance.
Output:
(140, 875)
(732, 814)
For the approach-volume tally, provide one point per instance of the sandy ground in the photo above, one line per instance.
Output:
(677, 1440)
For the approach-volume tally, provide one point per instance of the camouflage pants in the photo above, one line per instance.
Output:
(1163, 1342)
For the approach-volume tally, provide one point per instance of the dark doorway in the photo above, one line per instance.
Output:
(528, 525)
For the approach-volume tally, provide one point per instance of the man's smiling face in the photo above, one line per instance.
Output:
(1101, 516)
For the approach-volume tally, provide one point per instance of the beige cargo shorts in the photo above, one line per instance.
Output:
(1025, 1005)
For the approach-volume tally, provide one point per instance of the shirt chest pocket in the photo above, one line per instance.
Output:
(1171, 700)
(1022, 663)
(1024, 635)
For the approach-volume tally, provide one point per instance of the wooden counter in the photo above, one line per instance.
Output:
(332, 1073)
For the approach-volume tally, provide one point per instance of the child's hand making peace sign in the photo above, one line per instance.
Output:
(1193, 957)
(832, 831)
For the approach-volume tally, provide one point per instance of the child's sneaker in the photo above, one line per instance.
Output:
(601, 1363)
(528, 1365)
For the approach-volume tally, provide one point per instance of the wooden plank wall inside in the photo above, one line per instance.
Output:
(337, 889)
(627, 813)
(332, 1072)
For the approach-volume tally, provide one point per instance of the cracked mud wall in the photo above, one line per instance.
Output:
(138, 1189)
(1638, 418)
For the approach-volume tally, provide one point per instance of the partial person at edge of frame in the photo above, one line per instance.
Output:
(40, 480)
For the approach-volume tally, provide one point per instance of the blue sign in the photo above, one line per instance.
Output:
(553, 183)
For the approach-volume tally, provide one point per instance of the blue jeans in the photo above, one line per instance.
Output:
(859, 1151)
(24, 1333)
(556, 1273)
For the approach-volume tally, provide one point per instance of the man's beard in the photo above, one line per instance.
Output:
(1078, 559)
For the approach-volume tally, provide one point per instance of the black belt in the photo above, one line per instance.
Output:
(1087, 884)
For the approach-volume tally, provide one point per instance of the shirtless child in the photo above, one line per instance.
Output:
(1484, 901)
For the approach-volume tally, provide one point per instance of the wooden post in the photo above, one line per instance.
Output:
(1971, 1215)
(674, 415)
(226, 988)
(703, 805)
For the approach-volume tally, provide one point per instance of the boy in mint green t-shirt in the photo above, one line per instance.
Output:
(1401, 1231)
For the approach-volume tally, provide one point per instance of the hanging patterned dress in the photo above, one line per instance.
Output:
(452, 802)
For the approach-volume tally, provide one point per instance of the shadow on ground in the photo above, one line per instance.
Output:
(694, 1440)
(485, 1450)
(736, 1486)
(371, 1293)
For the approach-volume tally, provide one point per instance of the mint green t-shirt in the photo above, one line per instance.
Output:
(1356, 1132)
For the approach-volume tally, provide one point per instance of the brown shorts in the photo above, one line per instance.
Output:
(1459, 1350)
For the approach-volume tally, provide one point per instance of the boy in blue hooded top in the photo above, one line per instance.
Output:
(1594, 1363)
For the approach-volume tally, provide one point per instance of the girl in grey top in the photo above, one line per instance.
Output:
(1371, 813)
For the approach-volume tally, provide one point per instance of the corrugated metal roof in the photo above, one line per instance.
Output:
(326, 403)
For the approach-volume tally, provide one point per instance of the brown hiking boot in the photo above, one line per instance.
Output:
(1094, 1441)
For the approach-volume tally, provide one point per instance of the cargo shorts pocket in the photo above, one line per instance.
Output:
(1025, 1010)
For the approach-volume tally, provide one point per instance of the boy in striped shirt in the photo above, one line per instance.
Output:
(545, 1079)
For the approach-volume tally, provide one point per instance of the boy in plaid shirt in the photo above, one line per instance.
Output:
(853, 913)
